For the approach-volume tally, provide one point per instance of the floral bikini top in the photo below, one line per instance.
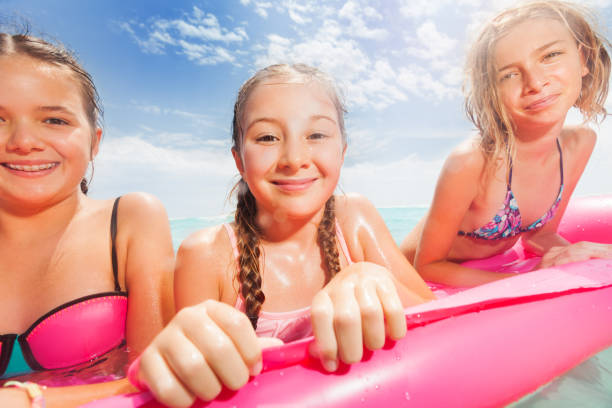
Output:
(507, 221)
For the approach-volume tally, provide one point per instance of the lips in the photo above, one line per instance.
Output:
(542, 103)
(30, 169)
(294, 184)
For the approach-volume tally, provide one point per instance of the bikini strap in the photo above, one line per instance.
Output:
(510, 173)
(560, 159)
(113, 231)
(342, 243)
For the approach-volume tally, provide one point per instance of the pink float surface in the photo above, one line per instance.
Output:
(485, 346)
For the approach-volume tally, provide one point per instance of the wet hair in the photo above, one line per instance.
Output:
(27, 45)
(483, 103)
(248, 232)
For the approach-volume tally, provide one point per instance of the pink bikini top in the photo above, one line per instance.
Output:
(73, 333)
(287, 326)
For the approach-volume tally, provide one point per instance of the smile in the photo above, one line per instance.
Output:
(542, 103)
(30, 168)
(294, 184)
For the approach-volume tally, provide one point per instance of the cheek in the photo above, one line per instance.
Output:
(258, 161)
(330, 160)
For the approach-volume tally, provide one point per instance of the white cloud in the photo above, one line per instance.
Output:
(197, 36)
(409, 181)
(190, 181)
(430, 43)
(355, 13)
(420, 8)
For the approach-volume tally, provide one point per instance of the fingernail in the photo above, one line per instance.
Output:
(330, 365)
(256, 369)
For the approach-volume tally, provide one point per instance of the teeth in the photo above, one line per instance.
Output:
(35, 167)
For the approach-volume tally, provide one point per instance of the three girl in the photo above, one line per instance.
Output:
(297, 260)
(528, 67)
(79, 277)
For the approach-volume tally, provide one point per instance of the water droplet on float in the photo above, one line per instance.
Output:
(255, 383)
(377, 386)
(362, 400)
(281, 373)
(407, 395)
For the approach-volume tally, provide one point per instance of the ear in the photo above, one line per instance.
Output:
(95, 144)
(238, 161)
(585, 69)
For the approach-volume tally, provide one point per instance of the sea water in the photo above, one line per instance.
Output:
(587, 385)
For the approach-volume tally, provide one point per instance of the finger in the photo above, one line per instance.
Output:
(347, 323)
(239, 329)
(322, 318)
(372, 318)
(219, 351)
(191, 368)
(161, 380)
(267, 342)
(392, 309)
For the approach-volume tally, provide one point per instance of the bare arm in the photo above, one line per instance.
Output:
(455, 191)
(578, 144)
(144, 247)
(369, 240)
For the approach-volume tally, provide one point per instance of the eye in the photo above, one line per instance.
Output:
(509, 75)
(266, 139)
(55, 121)
(317, 136)
(552, 54)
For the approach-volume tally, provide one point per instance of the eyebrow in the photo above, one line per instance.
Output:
(61, 109)
(539, 49)
(277, 122)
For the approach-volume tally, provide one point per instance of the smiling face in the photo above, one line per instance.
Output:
(292, 148)
(46, 139)
(539, 70)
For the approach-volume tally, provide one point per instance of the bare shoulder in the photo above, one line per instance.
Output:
(204, 245)
(466, 159)
(579, 139)
(354, 208)
(141, 208)
(204, 267)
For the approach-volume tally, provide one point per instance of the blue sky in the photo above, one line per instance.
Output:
(168, 73)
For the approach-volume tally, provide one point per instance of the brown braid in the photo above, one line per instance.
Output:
(249, 274)
(326, 236)
(248, 234)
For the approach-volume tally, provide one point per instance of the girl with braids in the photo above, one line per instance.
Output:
(284, 261)
(528, 67)
(77, 275)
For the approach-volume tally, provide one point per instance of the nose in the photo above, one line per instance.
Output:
(534, 80)
(22, 139)
(294, 154)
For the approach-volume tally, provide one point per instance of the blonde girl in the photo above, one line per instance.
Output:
(527, 68)
(294, 254)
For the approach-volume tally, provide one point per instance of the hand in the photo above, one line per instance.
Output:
(203, 348)
(580, 251)
(351, 310)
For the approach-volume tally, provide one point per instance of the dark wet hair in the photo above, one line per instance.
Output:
(24, 44)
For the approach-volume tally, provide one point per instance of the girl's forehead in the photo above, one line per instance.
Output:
(529, 36)
(39, 82)
(278, 95)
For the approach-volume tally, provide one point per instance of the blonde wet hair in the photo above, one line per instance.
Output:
(247, 231)
(482, 100)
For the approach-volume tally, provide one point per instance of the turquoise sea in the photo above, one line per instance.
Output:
(587, 385)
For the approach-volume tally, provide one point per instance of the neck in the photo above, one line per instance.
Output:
(277, 227)
(32, 225)
(537, 144)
